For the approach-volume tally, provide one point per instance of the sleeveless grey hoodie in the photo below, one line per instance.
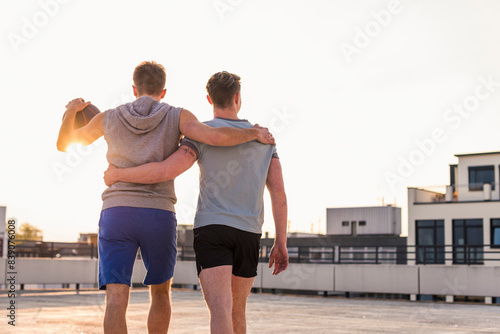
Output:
(137, 133)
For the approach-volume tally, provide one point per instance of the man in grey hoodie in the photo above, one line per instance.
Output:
(136, 215)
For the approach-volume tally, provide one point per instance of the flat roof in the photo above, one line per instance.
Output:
(64, 312)
(479, 153)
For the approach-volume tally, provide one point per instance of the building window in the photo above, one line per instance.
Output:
(480, 175)
(345, 223)
(467, 241)
(354, 228)
(453, 176)
(495, 233)
(430, 241)
(362, 223)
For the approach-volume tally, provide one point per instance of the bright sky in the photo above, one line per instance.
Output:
(350, 89)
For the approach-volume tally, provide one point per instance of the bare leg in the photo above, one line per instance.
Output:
(241, 287)
(117, 296)
(160, 310)
(216, 286)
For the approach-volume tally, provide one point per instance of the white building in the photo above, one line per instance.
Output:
(88, 238)
(375, 220)
(374, 233)
(461, 223)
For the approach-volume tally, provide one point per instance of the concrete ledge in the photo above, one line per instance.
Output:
(316, 277)
(480, 281)
(3, 263)
(258, 280)
(460, 280)
(377, 278)
(139, 272)
(185, 273)
(55, 271)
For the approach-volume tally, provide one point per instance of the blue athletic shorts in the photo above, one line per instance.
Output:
(122, 231)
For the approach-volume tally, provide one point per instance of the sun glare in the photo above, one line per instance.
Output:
(76, 147)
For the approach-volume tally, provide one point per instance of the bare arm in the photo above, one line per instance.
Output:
(85, 135)
(153, 172)
(226, 136)
(276, 187)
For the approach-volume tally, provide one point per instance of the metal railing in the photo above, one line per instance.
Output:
(458, 254)
(373, 255)
(185, 253)
(426, 255)
(45, 249)
(309, 255)
(401, 255)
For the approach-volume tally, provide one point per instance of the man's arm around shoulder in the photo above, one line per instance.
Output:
(225, 136)
(154, 172)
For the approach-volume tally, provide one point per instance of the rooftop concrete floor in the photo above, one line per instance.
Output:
(39, 312)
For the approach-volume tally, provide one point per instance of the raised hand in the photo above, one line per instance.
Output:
(77, 104)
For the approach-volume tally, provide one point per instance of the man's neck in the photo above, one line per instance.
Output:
(156, 97)
(228, 113)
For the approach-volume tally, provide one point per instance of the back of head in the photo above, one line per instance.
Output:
(150, 78)
(221, 88)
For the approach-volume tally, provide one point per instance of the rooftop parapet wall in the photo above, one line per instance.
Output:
(451, 281)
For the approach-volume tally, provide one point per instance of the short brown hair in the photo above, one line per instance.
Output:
(150, 78)
(221, 88)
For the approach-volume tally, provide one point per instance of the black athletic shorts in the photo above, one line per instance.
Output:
(220, 245)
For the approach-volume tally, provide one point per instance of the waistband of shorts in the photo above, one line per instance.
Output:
(138, 202)
(225, 226)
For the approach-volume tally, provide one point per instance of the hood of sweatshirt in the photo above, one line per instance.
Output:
(143, 115)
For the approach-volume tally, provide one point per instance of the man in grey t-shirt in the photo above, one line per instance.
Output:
(229, 216)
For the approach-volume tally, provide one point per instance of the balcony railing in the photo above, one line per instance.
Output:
(474, 192)
(45, 249)
(459, 254)
(401, 255)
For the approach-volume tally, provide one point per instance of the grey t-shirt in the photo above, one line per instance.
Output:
(232, 181)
